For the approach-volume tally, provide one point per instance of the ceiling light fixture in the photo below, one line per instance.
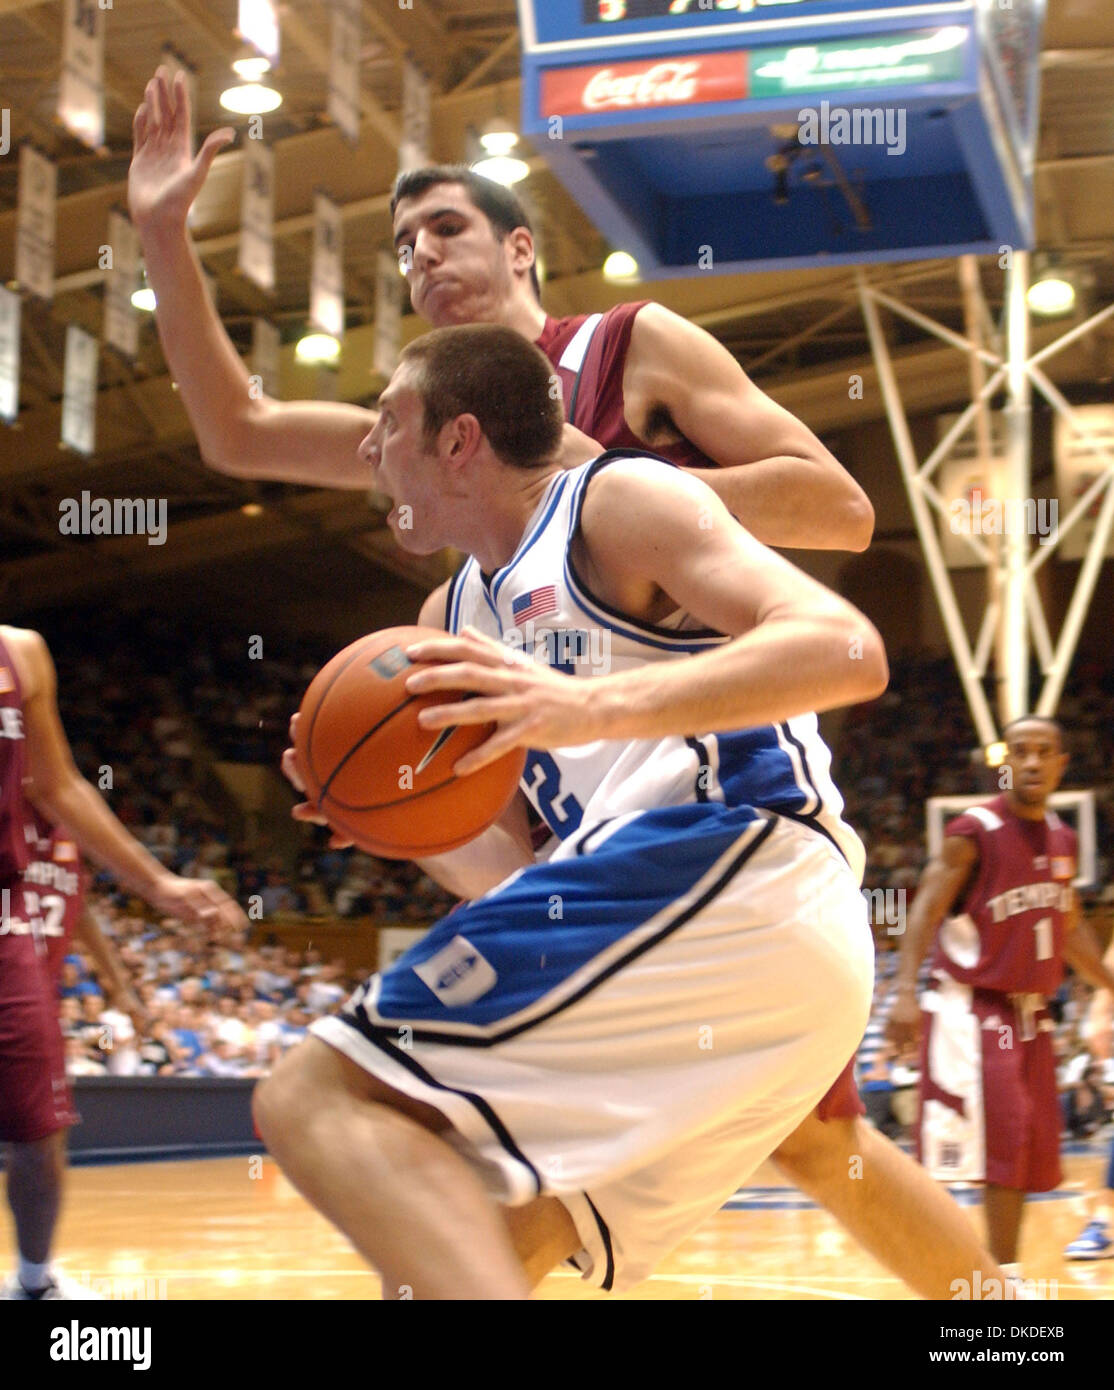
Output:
(317, 349)
(250, 99)
(620, 265)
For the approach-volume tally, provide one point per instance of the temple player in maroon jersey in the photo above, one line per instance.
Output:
(48, 906)
(998, 905)
(34, 1113)
(663, 384)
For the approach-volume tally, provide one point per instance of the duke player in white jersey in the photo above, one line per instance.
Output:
(623, 1033)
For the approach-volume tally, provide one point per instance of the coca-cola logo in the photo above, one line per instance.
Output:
(675, 81)
(656, 86)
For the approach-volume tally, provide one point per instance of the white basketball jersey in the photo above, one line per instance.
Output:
(539, 604)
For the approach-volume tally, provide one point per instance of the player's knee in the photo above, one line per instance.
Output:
(291, 1092)
(817, 1149)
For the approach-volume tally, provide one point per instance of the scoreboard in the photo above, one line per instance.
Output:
(762, 134)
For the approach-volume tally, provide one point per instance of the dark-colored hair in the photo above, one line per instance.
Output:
(1034, 719)
(499, 205)
(494, 374)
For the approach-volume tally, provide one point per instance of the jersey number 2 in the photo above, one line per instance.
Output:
(562, 811)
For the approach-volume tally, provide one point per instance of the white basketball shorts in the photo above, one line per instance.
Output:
(633, 1026)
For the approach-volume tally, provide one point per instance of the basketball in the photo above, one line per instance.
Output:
(375, 774)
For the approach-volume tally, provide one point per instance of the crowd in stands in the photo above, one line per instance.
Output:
(147, 717)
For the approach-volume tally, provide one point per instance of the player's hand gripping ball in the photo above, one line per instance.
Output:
(376, 776)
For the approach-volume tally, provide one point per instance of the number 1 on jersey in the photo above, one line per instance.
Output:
(1043, 929)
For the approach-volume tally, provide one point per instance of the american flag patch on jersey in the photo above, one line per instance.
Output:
(536, 604)
(7, 683)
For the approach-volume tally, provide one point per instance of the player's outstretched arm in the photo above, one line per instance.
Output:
(239, 432)
(942, 882)
(66, 798)
(774, 474)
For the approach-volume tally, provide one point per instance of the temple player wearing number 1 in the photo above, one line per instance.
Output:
(999, 905)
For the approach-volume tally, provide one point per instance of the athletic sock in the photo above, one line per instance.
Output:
(1104, 1212)
(34, 1277)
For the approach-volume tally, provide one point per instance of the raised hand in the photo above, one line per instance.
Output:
(165, 176)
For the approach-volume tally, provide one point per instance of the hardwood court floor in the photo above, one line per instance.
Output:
(233, 1228)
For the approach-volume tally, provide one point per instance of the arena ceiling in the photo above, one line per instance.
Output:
(799, 334)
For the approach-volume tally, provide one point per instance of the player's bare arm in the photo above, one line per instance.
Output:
(941, 886)
(654, 539)
(1081, 950)
(239, 432)
(68, 799)
(774, 474)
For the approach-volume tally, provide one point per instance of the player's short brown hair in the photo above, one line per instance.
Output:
(502, 208)
(493, 373)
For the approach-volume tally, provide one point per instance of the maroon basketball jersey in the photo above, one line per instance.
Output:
(598, 408)
(1008, 934)
(51, 892)
(12, 767)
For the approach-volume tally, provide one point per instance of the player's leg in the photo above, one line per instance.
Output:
(1004, 1207)
(370, 1159)
(36, 1173)
(887, 1201)
(543, 1234)
(35, 1110)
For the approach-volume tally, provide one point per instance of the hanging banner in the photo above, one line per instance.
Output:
(81, 87)
(344, 68)
(34, 234)
(413, 145)
(326, 290)
(257, 22)
(265, 356)
(122, 279)
(1077, 466)
(972, 490)
(257, 216)
(79, 390)
(388, 313)
(9, 355)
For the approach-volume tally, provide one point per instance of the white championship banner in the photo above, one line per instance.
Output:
(1078, 464)
(413, 145)
(122, 279)
(257, 23)
(34, 234)
(344, 68)
(10, 305)
(79, 390)
(326, 291)
(81, 87)
(265, 356)
(388, 313)
(257, 217)
(967, 486)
